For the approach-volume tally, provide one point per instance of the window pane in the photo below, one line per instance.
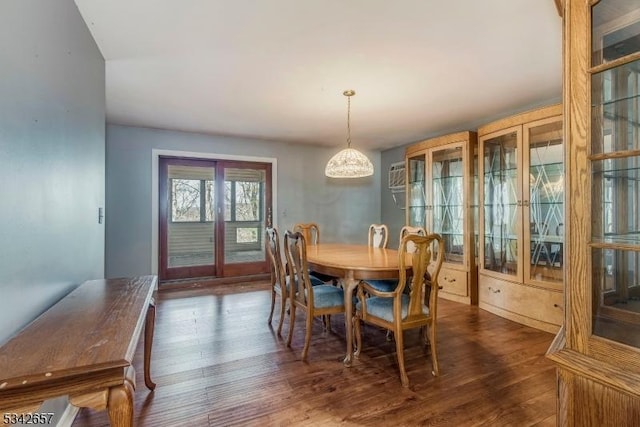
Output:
(227, 200)
(614, 32)
(616, 200)
(616, 109)
(616, 279)
(247, 201)
(247, 235)
(210, 193)
(185, 200)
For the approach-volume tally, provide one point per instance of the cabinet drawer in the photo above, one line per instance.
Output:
(544, 305)
(453, 281)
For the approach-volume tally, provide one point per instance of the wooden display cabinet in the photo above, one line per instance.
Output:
(521, 218)
(598, 349)
(439, 188)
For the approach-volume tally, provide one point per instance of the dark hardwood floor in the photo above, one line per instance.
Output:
(216, 362)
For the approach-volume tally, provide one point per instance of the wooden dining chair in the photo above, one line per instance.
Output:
(321, 300)
(388, 285)
(278, 278)
(398, 311)
(311, 233)
(407, 229)
(378, 235)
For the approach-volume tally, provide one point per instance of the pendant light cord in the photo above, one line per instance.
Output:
(348, 121)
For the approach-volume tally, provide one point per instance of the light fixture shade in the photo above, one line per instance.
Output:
(349, 163)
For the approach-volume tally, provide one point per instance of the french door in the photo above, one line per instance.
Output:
(212, 217)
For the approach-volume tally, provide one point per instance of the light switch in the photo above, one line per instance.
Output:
(100, 215)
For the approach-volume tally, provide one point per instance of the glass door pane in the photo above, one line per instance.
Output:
(447, 196)
(213, 215)
(500, 204)
(615, 172)
(191, 227)
(545, 216)
(416, 203)
(245, 215)
(187, 218)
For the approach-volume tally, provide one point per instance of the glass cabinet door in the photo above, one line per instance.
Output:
(447, 211)
(501, 226)
(615, 170)
(544, 209)
(416, 200)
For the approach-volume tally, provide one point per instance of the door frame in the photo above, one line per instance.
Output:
(155, 169)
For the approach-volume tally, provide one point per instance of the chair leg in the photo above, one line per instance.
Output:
(357, 333)
(292, 322)
(434, 353)
(307, 337)
(327, 323)
(399, 336)
(283, 304)
(424, 333)
(273, 303)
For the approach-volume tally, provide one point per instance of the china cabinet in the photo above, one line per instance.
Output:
(439, 187)
(521, 218)
(598, 349)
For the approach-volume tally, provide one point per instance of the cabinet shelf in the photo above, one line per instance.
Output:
(507, 171)
(625, 99)
(448, 206)
(547, 203)
(622, 239)
(447, 178)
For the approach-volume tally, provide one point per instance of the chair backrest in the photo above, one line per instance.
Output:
(407, 229)
(295, 250)
(425, 269)
(272, 243)
(310, 231)
(378, 235)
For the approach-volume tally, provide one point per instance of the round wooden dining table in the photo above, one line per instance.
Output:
(353, 263)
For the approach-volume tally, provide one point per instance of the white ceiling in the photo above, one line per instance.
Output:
(276, 69)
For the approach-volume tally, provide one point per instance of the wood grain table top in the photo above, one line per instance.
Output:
(94, 328)
(362, 260)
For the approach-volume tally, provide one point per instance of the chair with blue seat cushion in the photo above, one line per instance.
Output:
(388, 285)
(279, 276)
(311, 233)
(398, 310)
(279, 282)
(321, 300)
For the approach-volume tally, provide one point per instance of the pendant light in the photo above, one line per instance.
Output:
(349, 163)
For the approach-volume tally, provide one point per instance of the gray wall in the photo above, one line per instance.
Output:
(52, 151)
(343, 208)
(52, 146)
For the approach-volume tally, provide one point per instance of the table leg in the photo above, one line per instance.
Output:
(120, 405)
(148, 342)
(349, 285)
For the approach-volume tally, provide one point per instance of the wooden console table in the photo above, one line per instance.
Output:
(82, 347)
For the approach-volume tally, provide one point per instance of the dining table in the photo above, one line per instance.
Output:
(353, 263)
